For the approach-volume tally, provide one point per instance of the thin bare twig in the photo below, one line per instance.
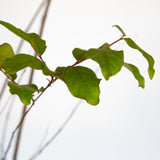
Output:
(3, 88)
(57, 132)
(29, 25)
(22, 119)
(19, 126)
(61, 128)
(21, 44)
(30, 81)
(6, 121)
(116, 41)
(26, 112)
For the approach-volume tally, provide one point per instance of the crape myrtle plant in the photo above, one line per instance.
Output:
(81, 81)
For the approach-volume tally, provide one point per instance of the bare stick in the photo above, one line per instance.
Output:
(61, 128)
(22, 119)
(29, 25)
(57, 132)
(21, 126)
(6, 121)
(31, 77)
(3, 88)
(30, 81)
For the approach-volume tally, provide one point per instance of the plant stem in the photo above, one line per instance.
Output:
(25, 112)
(116, 41)
(30, 81)
(3, 88)
(22, 124)
(39, 151)
(29, 26)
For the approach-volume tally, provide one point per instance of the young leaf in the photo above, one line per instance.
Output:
(136, 74)
(81, 82)
(6, 51)
(148, 57)
(120, 29)
(24, 92)
(34, 39)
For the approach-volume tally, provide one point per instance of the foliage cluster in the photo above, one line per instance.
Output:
(81, 81)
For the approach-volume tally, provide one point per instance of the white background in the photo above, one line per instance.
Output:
(125, 124)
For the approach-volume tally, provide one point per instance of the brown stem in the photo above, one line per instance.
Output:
(56, 134)
(22, 123)
(23, 117)
(3, 88)
(49, 84)
(29, 26)
(116, 41)
(30, 81)
(78, 61)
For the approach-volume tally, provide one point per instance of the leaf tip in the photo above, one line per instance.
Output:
(120, 29)
(151, 73)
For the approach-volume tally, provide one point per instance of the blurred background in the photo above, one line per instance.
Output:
(125, 124)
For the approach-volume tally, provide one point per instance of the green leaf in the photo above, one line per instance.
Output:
(148, 57)
(13, 76)
(24, 92)
(110, 61)
(46, 71)
(81, 82)
(6, 51)
(79, 54)
(34, 39)
(37, 43)
(136, 73)
(120, 29)
(21, 61)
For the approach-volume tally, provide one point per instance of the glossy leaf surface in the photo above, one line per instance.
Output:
(81, 82)
(34, 39)
(24, 92)
(136, 73)
(148, 57)
(6, 51)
